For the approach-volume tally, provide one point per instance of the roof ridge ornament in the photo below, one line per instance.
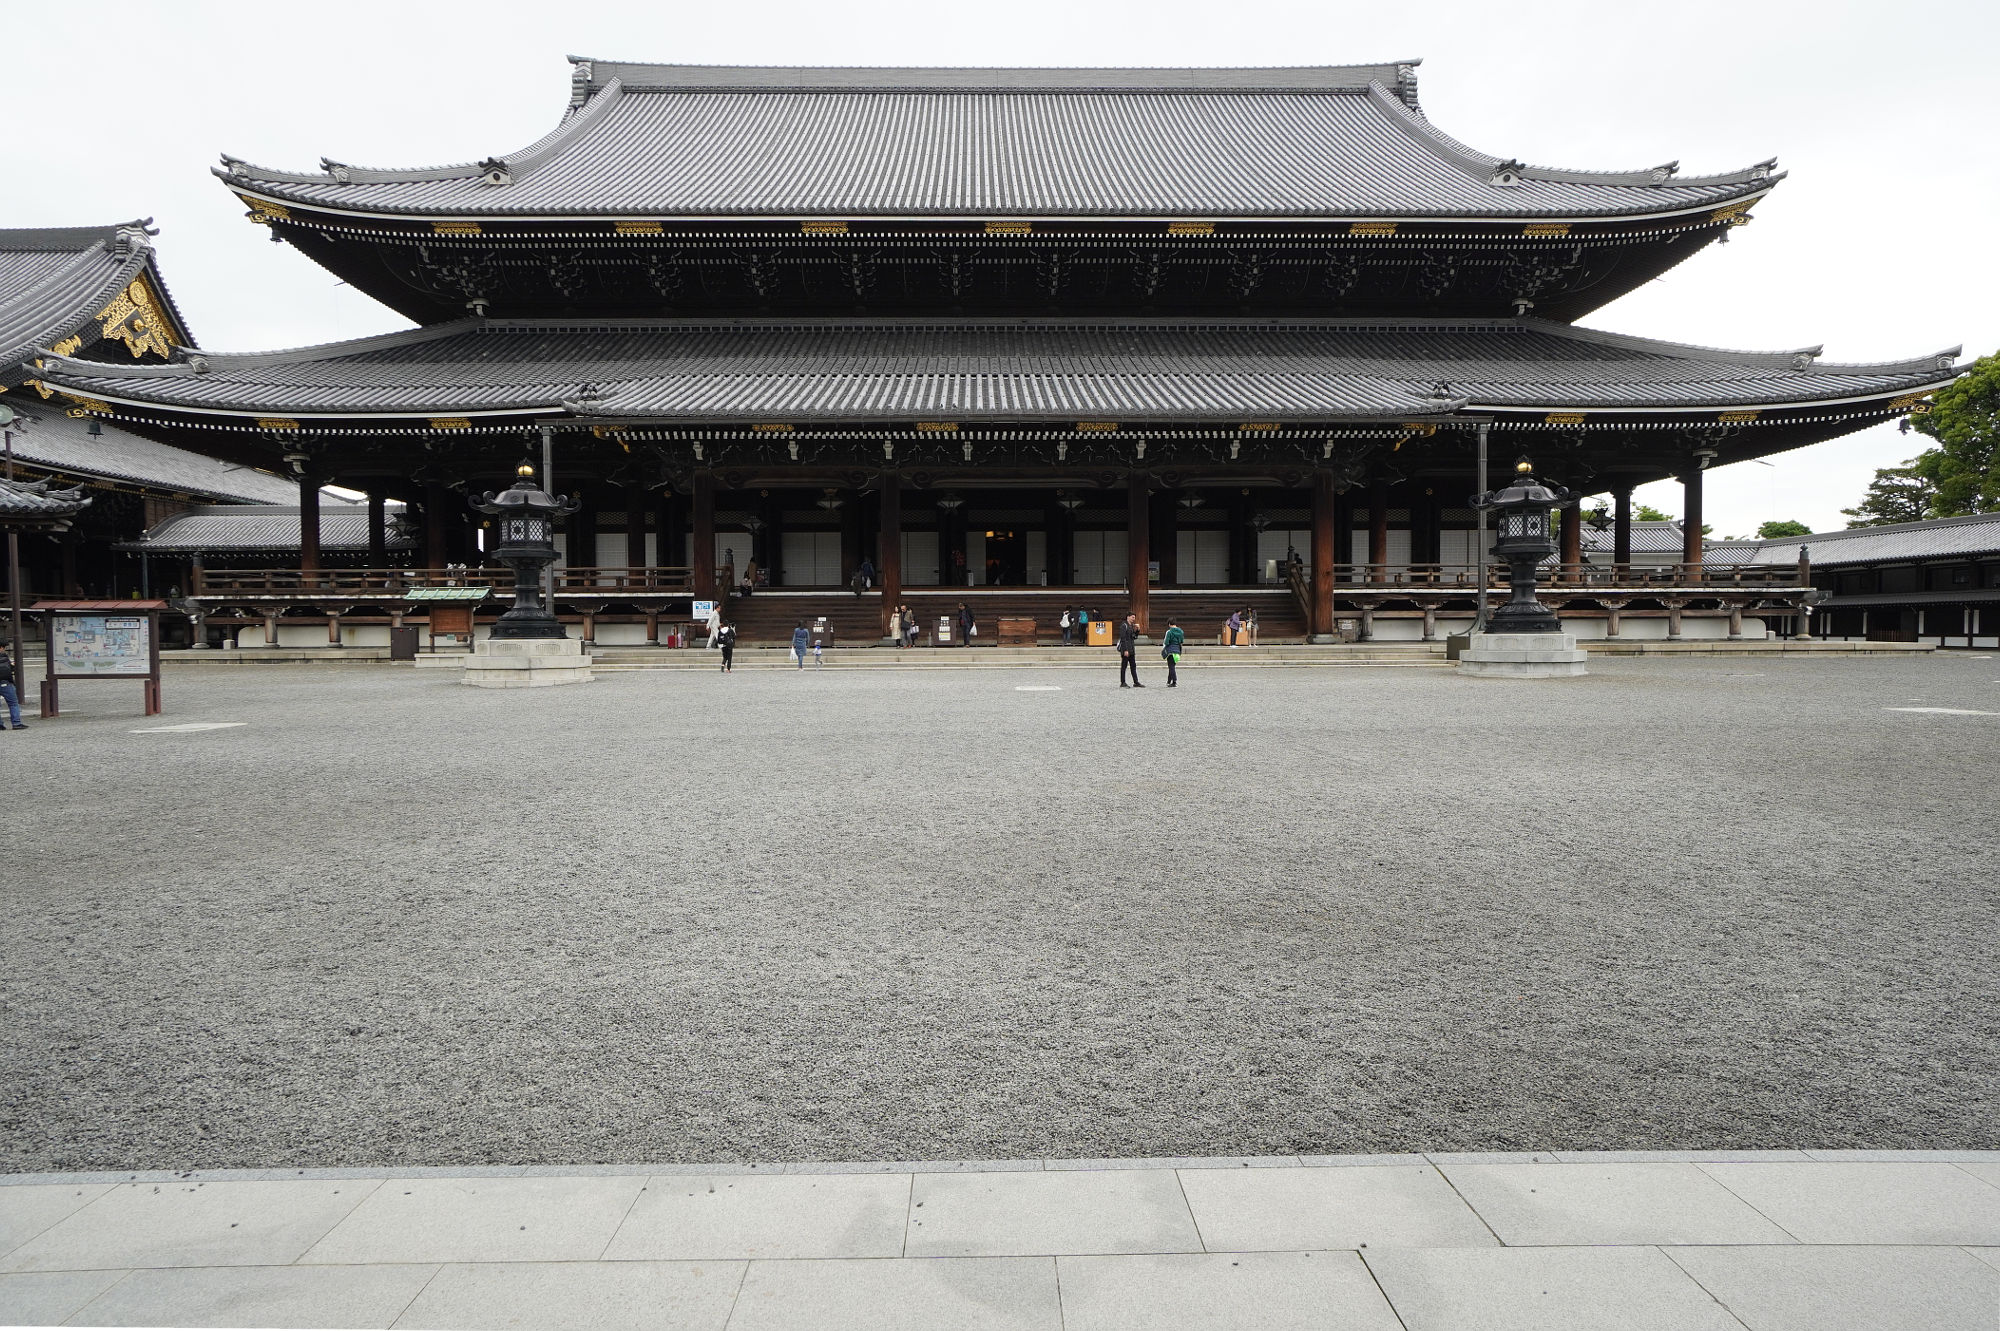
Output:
(1506, 174)
(495, 171)
(579, 82)
(1803, 358)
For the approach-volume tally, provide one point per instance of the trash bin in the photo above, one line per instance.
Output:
(1100, 633)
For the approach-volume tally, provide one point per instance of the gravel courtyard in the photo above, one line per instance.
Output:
(853, 915)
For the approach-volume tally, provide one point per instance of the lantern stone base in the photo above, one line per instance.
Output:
(1523, 656)
(527, 663)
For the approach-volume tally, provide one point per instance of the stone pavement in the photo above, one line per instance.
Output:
(1637, 1241)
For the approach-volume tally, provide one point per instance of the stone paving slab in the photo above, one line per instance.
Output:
(795, 1216)
(1848, 1289)
(1545, 1289)
(1595, 1203)
(561, 1296)
(1103, 1211)
(1492, 1243)
(1927, 1202)
(481, 1220)
(1272, 1291)
(259, 1296)
(963, 1293)
(1364, 1207)
(192, 1224)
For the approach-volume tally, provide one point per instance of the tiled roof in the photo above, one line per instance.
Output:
(678, 140)
(246, 527)
(54, 281)
(1941, 538)
(991, 369)
(35, 499)
(1648, 538)
(60, 443)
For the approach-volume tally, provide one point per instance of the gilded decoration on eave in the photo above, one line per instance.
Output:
(138, 318)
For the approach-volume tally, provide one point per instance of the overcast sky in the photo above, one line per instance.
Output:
(1879, 245)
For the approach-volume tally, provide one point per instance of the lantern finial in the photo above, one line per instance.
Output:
(526, 471)
(1524, 467)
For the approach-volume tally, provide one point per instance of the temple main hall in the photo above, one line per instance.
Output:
(1161, 341)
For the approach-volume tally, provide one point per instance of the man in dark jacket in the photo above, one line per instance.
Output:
(8, 692)
(1127, 641)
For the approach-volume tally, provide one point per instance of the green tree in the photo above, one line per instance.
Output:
(1647, 513)
(1897, 494)
(1963, 471)
(1772, 530)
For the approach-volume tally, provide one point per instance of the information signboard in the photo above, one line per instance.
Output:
(101, 640)
(703, 609)
(92, 646)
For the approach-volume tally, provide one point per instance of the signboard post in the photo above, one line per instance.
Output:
(101, 640)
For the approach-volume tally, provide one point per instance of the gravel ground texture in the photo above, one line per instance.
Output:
(1680, 903)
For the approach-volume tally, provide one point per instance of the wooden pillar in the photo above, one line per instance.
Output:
(704, 534)
(1736, 619)
(435, 496)
(1621, 529)
(1343, 538)
(308, 525)
(378, 531)
(1055, 521)
(66, 549)
(1378, 531)
(1572, 537)
(889, 560)
(1691, 521)
(1324, 502)
(635, 531)
(1138, 522)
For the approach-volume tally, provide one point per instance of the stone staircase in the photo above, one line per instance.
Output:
(1197, 657)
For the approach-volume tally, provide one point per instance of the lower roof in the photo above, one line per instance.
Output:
(1940, 538)
(53, 441)
(867, 370)
(242, 528)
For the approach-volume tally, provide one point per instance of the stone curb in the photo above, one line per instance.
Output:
(724, 1168)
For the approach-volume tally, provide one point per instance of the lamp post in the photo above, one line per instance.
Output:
(524, 526)
(1523, 540)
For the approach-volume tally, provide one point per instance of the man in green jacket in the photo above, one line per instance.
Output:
(1170, 647)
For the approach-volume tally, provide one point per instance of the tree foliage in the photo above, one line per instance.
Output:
(1772, 530)
(1897, 494)
(1961, 474)
(1963, 471)
(1647, 513)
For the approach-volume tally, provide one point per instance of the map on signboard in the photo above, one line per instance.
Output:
(102, 645)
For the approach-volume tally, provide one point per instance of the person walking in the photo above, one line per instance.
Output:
(1067, 622)
(714, 622)
(1128, 651)
(727, 639)
(801, 640)
(10, 692)
(867, 573)
(1170, 647)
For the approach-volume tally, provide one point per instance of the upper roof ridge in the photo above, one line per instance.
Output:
(591, 74)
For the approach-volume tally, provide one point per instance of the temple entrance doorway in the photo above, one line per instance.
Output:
(1006, 559)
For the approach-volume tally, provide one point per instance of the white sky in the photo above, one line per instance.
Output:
(1878, 246)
